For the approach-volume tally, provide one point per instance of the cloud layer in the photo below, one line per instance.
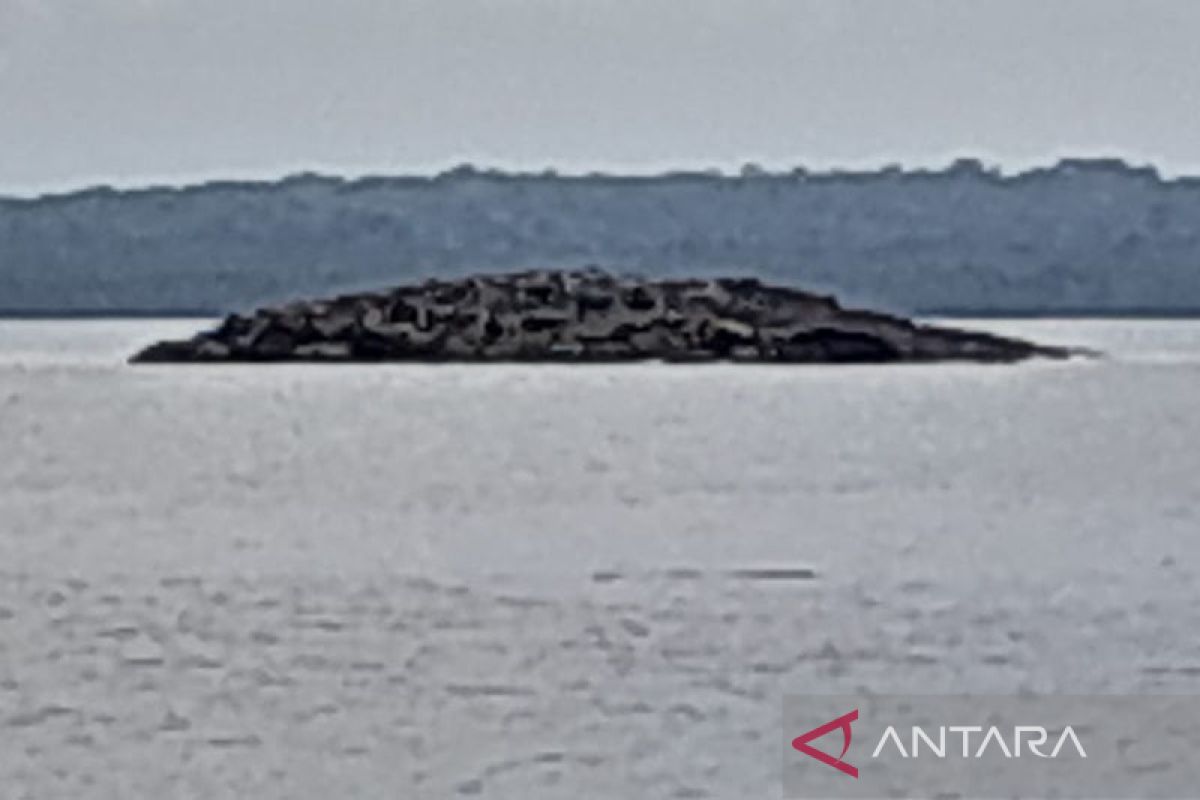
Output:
(135, 90)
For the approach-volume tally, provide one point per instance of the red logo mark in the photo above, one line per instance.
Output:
(801, 743)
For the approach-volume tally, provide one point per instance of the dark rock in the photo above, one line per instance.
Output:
(585, 315)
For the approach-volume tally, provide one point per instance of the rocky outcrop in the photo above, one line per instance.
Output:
(584, 315)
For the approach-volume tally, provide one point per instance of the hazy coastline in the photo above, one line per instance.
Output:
(1082, 237)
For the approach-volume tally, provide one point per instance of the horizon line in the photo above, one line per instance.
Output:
(748, 170)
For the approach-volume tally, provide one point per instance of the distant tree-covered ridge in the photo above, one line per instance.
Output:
(1081, 236)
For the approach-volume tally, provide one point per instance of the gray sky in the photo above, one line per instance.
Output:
(136, 91)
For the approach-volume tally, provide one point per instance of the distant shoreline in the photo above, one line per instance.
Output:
(1102, 313)
(934, 313)
(963, 238)
(117, 313)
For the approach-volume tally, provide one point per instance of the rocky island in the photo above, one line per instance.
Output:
(585, 315)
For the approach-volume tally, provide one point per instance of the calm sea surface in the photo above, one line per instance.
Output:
(550, 581)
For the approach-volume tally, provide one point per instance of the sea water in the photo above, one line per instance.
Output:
(564, 581)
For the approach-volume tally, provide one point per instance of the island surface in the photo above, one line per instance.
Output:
(585, 315)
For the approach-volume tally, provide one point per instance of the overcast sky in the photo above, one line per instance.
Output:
(138, 91)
